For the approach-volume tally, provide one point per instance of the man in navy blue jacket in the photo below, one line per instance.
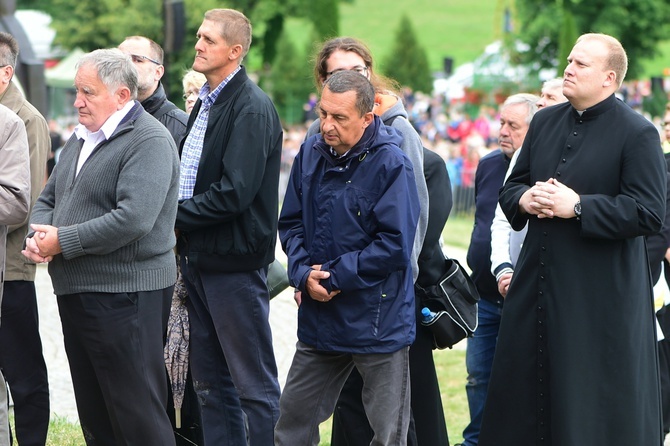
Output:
(347, 226)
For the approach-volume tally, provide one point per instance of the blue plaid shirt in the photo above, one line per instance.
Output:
(192, 150)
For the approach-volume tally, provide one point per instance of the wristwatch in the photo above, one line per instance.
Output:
(578, 209)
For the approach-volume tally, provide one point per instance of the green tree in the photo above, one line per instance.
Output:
(289, 82)
(92, 24)
(407, 63)
(638, 24)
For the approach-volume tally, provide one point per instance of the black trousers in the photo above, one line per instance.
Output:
(427, 425)
(114, 344)
(23, 364)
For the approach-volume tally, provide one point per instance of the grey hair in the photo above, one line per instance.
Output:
(344, 81)
(553, 84)
(115, 69)
(527, 99)
(9, 50)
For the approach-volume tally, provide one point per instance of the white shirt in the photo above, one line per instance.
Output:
(505, 242)
(92, 139)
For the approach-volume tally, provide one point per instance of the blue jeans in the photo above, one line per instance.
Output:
(232, 359)
(478, 361)
(314, 383)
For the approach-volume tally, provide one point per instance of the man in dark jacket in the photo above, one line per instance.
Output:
(227, 219)
(347, 225)
(576, 360)
(148, 56)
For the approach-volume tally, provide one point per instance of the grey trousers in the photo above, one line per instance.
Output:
(313, 385)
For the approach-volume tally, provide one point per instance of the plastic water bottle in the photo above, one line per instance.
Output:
(427, 316)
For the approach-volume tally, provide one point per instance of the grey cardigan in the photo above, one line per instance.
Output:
(116, 217)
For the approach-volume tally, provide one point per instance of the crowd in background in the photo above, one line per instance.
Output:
(448, 129)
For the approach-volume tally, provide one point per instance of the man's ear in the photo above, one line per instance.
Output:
(6, 74)
(123, 95)
(367, 119)
(160, 71)
(235, 52)
(610, 79)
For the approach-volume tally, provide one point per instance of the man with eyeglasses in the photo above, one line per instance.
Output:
(147, 56)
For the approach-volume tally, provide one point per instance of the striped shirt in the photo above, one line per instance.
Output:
(192, 150)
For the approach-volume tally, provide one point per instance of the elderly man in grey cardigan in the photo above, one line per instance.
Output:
(105, 223)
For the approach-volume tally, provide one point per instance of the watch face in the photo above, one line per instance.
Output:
(578, 209)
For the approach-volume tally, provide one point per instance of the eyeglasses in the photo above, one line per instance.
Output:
(358, 69)
(137, 58)
(190, 93)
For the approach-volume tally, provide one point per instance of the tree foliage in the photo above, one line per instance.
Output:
(407, 63)
(92, 24)
(638, 24)
(289, 82)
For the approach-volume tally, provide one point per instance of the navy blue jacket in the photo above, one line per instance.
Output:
(356, 216)
(488, 181)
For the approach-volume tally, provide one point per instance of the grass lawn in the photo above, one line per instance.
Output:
(459, 29)
(458, 230)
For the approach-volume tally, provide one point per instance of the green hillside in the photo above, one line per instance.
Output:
(459, 29)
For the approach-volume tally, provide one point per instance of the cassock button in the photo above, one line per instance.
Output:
(569, 146)
(544, 248)
(574, 133)
(539, 308)
(558, 174)
(564, 160)
(541, 293)
(542, 277)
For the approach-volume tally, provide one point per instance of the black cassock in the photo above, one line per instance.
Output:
(576, 360)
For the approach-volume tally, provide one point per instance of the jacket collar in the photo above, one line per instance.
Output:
(12, 97)
(154, 102)
(363, 145)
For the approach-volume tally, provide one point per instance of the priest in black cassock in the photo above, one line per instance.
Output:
(576, 361)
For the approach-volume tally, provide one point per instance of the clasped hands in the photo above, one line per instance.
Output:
(43, 245)
(549, 199)
(315, 289)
